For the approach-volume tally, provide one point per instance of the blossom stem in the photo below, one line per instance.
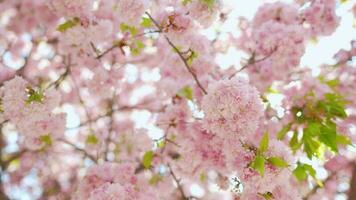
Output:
(180, 54)
(80, 150)
(177, 181)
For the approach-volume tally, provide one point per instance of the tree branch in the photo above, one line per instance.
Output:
(79, 149)
(190, 70)
(316, 187)
(177, 181)
(352, 190)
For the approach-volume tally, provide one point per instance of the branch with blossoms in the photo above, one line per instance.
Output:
(180, 54)
(252, 60)
(177, 181)
(120, 44)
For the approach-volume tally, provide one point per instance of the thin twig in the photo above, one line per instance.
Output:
(111, 128)
(186, 64)
(62, 77)
(317, 186)
(108, 50)
(252, 61)
(117, 44)
(79, 149)
(177, 181)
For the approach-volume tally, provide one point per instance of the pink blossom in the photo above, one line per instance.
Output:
(232, 108)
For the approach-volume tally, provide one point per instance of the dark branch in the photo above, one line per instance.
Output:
(180, 54)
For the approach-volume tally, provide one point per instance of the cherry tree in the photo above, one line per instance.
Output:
(126, 100)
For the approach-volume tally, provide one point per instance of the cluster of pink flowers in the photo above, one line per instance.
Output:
(35, 120)
(110, 181)
(67, 8)
(232, 108)
(278, 181)
(278, 26)
(133, 11)
(321, 17)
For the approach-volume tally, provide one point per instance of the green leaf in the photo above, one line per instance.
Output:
(264, 143)
(68, 24)
(1, 106)
(193, 55)
(155, 179)
(277, 162)
(146, 22)
(91, 139)
(209, 3)
(202, 177)
(126, 28)
(186, 92)
(311, 171)
(282, 133)
(300, 173)
(137, 47)
(258, 164)
(342, 139)
(147, 159)
(46, 139)
(271, 90)
(328, 136)
(333, 105)
(333, 83)
(266, 195)
(313, 129)
(161, 143)
(186, 2)
(294, 143)
(311, 146)
(34, 95)
(343, 1)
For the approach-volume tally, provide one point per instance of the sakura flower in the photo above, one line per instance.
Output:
(232, 108)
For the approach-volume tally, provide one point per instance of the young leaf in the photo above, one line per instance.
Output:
(259, 164)
(155, 179)
(328, 136)
(209, 3)
(46, 139)
(186, 2)
(203, 177)
(191, 57)
(126, 28)
(264, 143)
(147, 159)
(282, 133)
(342, 139)
(300, 173)
(146, 22)
(186, 92)
(1, 106)
(313, 129)
(311, 171)
(91, 139)
(294, 143)
(277, 162)
(333, 105)
(266, 195)
(311, 145)
(34, 95)
(68, 24)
